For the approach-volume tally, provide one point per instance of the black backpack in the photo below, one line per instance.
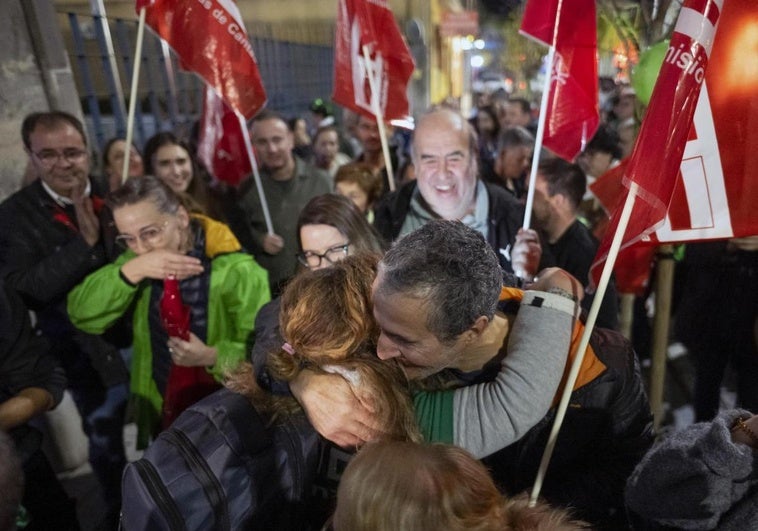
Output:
(221, 466)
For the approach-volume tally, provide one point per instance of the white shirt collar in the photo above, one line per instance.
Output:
(62, 200)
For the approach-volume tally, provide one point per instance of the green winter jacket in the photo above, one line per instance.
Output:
(238, 288)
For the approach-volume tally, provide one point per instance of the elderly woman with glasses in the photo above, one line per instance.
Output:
(222, 286)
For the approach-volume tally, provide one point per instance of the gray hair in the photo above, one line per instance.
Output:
(452, 267)
(138, 189)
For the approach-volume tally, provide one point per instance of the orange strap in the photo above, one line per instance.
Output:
(591, 367)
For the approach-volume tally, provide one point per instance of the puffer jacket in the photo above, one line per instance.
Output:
(43, 256)
(238, 288)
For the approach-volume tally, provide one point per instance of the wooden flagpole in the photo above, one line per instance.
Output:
(664, 279)
(585, 340)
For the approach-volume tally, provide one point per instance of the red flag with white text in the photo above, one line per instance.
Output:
(221, 142)
(572, 114)
(696, 153)
(371, 23)
(210, 39)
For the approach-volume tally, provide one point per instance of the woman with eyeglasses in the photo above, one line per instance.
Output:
(223, 287)
(329, 228)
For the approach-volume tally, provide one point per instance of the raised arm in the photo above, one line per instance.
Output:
(489, 416)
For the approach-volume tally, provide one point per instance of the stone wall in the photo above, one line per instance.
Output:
(34, 76)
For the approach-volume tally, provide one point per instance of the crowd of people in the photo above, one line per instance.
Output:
(410, 345)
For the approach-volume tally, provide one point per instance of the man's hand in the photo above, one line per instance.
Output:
(334, 410)
(89, 225)
(273, 243)
(192, 353)
(526, 253)
(27, 404)
(746, 243)
(159, 264)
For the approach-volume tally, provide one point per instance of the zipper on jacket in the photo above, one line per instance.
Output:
(197, 464)
(157, 490)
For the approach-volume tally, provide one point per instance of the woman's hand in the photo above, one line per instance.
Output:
(192, 353)
(159, 264)
(555, 277)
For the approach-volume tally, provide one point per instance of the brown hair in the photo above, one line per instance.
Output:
(400, 485)
(339, 212)
(49, 120)
(393, 485)
(196, 199)
(326, 319)
(326, 314)
(363, 175)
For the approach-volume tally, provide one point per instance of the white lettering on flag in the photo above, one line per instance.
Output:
(694, 25)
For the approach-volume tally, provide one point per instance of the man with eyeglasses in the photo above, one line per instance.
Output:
(52, 238)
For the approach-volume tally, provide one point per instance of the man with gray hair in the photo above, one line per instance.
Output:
(437, 301)
(447, 187)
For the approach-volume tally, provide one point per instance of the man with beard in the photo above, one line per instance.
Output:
(288, 184)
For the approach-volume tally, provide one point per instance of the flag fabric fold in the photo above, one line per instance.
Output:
(210, 39)
(371, 23)
(696, 150)
(221, 141)
(572, 114)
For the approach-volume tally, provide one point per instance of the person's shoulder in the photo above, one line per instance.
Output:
(503, 208)
(405, 191)
(579, 238)
(308, 173)
(501, 198)
(395, 203)
(24, 202)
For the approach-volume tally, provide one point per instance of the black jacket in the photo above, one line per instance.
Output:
(505, 216)
(606, 431)
(24, 362)
(43, 258)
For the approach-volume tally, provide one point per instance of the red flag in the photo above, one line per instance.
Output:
(221, 143)
(716, 190)
(633, 265)
(572, 114)
(371, 23)
(210, 39)
(696, 150)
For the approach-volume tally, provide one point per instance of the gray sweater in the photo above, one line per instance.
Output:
(697, 478)
(488, 417)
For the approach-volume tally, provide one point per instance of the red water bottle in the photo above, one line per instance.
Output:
(185, 385)
(175, 315)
